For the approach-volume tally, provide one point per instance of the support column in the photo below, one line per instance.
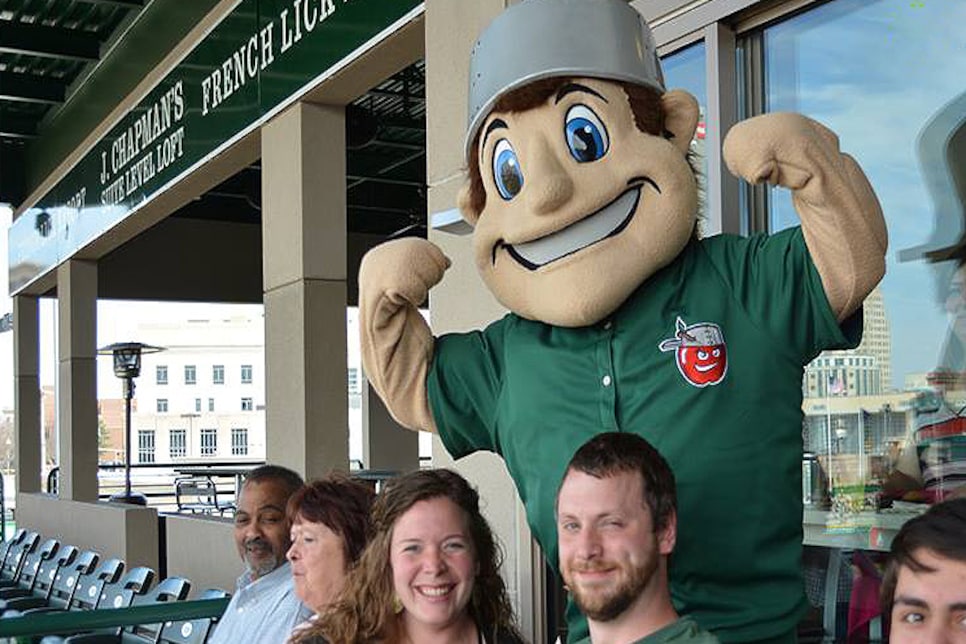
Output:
(26, 385)
(724, 215)
(77, 379)
(461, 301)
(304, 279)
(386, 445)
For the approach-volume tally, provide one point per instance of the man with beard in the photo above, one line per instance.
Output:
(264, 607)
(616, 527)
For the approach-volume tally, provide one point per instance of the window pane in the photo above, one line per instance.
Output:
(880, 75)
(246, 374)
(161, 375)
(190, 375)
(177, 443)
(239, 441)
(209, 442)
(218, 374)
(145, 446)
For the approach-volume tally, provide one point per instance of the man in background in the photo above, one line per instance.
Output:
(264, 607)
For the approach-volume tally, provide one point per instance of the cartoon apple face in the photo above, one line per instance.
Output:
(703, 365)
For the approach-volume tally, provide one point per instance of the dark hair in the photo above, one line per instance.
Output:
(342, 504)
(645, 104)
(364, 611)
(292, 481)
(941, 530)
(612, 453)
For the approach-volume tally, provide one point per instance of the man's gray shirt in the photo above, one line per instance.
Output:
(264, 610)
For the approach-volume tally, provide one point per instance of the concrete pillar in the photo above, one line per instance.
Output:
(386, 445)
(461, 301)
(77, 379)
(26, 385)
(304, 279)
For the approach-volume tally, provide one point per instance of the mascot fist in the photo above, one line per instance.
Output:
(402, 271)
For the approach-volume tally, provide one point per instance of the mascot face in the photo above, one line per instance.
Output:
(581, 206)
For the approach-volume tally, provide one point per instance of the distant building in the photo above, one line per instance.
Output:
(863, 371)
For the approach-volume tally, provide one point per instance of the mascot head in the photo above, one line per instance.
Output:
(579, 186)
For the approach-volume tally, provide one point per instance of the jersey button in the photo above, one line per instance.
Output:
(607, 325)
(606, 381)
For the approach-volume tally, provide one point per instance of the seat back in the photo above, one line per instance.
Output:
(30, 569)
(121, 594)
(47, 575)
(87, 592)
(16, 557)
(192, 631)
(6, 545)
(172, 589)
(68, 576)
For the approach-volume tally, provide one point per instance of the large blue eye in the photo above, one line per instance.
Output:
(506, 170)
(586, 135)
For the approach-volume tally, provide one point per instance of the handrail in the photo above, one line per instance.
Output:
(85, 620)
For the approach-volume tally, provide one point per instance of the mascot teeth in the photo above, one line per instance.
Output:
(606, 222)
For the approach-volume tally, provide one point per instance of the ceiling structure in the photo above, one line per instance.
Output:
(50, 48)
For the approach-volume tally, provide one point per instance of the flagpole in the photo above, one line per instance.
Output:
(828, 431)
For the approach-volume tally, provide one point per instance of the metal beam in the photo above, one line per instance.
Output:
(31, 88)
(124, 4)
(16, 126)
(48, 42)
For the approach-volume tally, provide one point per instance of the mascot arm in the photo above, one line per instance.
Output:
(397, 344)
(841, 218)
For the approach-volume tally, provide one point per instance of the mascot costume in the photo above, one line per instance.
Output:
(584, 207)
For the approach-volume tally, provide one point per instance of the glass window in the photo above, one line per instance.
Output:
(145, 446)
(880, 75)
(177, 443)
(246, 374)
(190, 374)
(239, 441)
(353, 380)
(246, 404)
(218, 374)
(162, 405)
(209, 442)
(685, 69)
(161, 374)
(211, 404)
(198, 405)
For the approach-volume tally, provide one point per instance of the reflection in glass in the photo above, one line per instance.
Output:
(879, 74)
(685, 69)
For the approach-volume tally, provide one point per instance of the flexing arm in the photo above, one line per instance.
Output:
(841, 218)
(397, 345)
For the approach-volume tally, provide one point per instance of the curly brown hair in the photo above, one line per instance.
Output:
(364, 613)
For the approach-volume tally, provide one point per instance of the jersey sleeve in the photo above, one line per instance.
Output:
(774, 279)
(464, 385)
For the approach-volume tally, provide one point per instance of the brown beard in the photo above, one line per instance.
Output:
(605, 605)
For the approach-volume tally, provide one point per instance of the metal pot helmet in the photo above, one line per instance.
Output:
(537, 39)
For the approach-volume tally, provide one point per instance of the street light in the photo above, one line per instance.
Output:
(127, 367)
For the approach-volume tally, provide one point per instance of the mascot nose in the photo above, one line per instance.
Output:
(550, 184)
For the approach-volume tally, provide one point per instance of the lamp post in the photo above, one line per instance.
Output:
(127, 367)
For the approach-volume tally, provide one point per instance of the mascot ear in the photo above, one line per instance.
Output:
(470, 214)
(680, 117)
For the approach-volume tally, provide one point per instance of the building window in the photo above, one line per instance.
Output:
(145, 446)
(162, 405)
(247, 404)
(198, 405)
(246, 374)
(218, 374)
(209, 442)
(190, 374)
(211, 404)
(161, 374)
(177, 443)
(353, 380)
(239, 441)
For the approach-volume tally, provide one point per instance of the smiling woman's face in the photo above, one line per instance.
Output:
(433, 566)
(581, 206)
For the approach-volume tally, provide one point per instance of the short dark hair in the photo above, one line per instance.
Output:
(342, 504)
(941, 530)
(612, 453)
(289, 479)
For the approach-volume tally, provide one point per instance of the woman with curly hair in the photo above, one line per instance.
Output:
(430, 574)
(330, 526)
